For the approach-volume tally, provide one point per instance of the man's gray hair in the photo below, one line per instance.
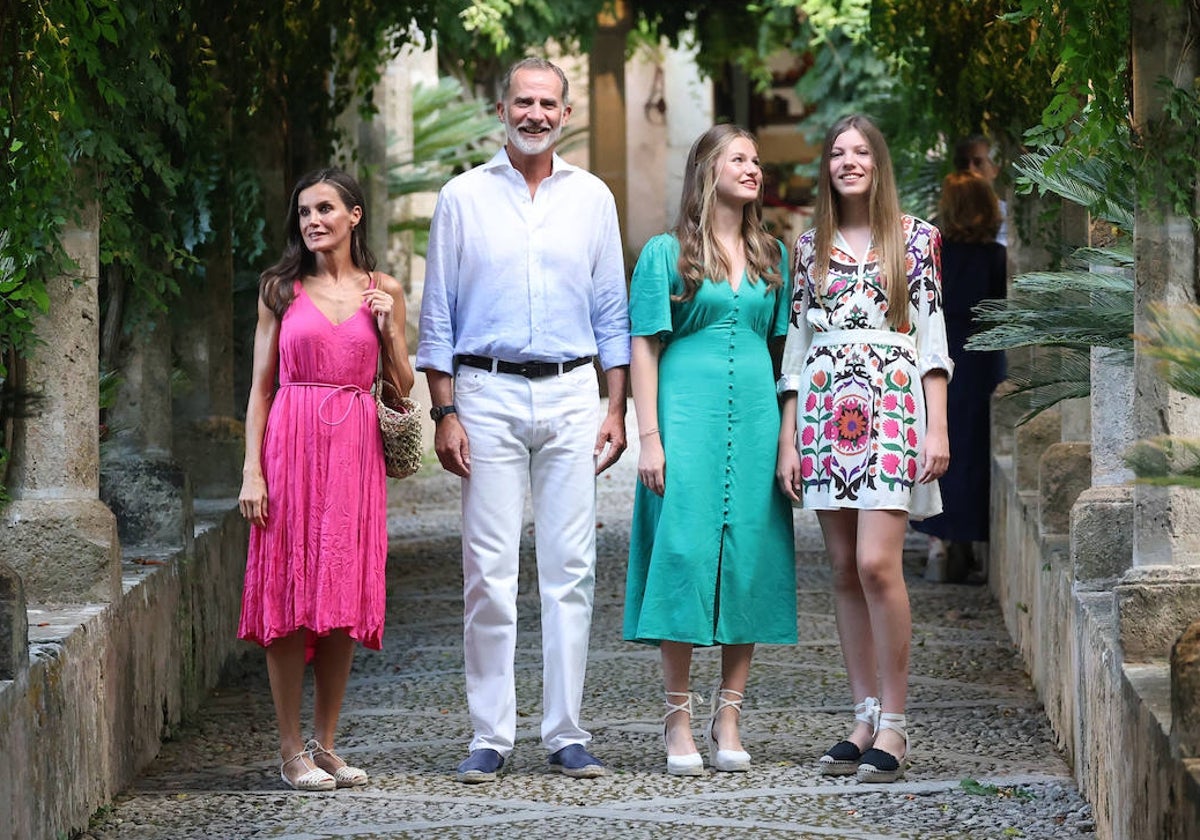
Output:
(534, 63)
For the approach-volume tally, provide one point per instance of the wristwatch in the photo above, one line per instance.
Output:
(437, 412)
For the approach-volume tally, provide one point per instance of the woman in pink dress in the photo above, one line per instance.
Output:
(313, 484)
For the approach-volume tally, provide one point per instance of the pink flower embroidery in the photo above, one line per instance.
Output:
(912, 437)
(807, 436)
(889, 402)
(890, 463)
(912, 469)
(891, 428)
(806, 467)
(811, 402)
(830, 432)
(909, 404)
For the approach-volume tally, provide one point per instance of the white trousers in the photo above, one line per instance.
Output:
(538, 433)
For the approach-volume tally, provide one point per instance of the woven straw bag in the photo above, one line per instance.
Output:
(401, 430)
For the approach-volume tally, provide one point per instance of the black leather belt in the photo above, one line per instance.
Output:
(530, 370)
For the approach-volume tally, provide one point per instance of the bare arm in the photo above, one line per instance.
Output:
(386, 302)
(787, 460)
(611, 441)
(252, 500)
(643, 370)
(937, 442)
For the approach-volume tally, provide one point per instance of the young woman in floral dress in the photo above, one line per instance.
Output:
(863, 430)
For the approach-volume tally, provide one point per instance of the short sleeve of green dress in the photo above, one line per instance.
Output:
(712, 560)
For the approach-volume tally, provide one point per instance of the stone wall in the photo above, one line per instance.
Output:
(1062, 606)
(107, 682)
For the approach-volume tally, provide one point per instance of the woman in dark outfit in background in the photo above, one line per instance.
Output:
(973, 268)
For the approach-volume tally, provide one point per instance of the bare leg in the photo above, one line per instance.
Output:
(735, 671)
(840, 528)
(331, 673)
(677, 666)
(881, 573)
(285, 669)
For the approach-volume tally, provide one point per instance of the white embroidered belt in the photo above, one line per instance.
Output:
(835, 337)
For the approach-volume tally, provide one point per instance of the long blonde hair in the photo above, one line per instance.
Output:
(700, 255)
(887, 230)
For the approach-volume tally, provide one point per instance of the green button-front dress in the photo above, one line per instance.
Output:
(711, 561)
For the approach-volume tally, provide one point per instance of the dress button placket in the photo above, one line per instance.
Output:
(729, 420)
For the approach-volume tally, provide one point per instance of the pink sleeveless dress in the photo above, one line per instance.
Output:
(320, 562)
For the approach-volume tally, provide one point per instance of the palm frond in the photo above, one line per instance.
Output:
(1166, 461)
(1117, 256)
(450, 132)
(1073, 308)
(1059, 374)
(1173, 337)
(1103, 186)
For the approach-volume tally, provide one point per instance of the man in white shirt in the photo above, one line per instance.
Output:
(524, 287)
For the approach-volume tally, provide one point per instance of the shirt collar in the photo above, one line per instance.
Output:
(500, 161)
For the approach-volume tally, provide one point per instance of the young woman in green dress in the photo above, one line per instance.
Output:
(711, 558)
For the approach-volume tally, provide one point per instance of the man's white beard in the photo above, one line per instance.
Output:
(527, 146)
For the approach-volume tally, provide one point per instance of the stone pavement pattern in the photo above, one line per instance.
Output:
(974, 719)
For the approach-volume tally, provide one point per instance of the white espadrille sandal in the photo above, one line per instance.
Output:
(728, 761)
(343, 774)
(691, 764)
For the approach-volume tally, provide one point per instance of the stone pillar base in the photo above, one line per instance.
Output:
(212, 450)
(14, 625)
(1102, 533)
(1031, 441)
(1155, 604)
(65, 550)
(1064, 471)
(151, 499)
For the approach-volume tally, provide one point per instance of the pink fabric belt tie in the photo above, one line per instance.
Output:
(333, 389)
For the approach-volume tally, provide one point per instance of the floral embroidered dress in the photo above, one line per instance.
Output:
(860, 410)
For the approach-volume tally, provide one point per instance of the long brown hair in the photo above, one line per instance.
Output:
(968, 210)
(275, 283)
(887, 231)
(700, 255)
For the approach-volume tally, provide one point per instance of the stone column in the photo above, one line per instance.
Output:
(606, 114)
(56, 533)
(1160, 595)
(1168, 519)
(414, 66)
(147, 490)
(1102, 521)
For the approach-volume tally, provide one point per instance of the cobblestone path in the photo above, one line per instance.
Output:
(984, 761)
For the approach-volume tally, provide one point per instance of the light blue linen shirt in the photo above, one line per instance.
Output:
(524, 278)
